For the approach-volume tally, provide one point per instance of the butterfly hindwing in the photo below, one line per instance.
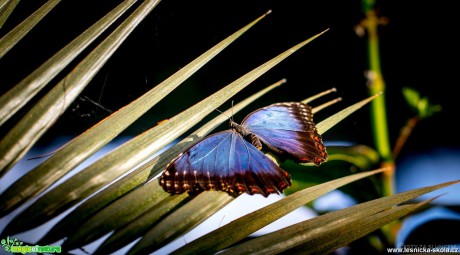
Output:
(231, 160)
(224, 161)
(288, 129)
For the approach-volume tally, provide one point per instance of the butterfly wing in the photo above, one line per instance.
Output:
(224, 161)
(288, 129)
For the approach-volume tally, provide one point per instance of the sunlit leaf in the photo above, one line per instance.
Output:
(248, 224)
(120, 157)
(21, 93)
(80, 148)
(140, 175)
(14, 36)
(331, 121)
(45, 112)
(6, 8)
(330, 231)
(182, 220)
(352, 229)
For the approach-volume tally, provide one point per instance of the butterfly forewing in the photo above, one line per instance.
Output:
(224, 161)
(231, 160)
(288, 129)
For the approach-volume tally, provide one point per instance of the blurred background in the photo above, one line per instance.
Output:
(418, 49)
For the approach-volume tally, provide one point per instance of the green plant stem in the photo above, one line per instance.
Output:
(378, 109)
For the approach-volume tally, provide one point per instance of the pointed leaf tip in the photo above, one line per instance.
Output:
(281, 82)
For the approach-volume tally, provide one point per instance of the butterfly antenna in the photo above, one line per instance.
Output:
(224, 114)
(308, 100)
(320, 107)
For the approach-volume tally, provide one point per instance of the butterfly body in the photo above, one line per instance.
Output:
(232, 160)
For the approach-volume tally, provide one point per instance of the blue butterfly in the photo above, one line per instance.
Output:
(232, 160)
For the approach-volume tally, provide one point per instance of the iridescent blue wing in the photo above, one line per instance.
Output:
(288, 129)
(224, 161)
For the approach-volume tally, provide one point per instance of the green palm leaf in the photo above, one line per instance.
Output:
(119, 193)
(80, 148)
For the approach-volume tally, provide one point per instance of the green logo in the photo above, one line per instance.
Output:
(15, 246)
(8, 243)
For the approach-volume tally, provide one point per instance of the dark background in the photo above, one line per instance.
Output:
(417, 50)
